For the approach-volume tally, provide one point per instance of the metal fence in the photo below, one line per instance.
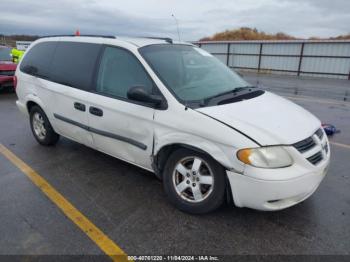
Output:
(301, 58)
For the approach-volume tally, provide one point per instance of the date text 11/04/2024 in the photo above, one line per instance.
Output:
(173, 258)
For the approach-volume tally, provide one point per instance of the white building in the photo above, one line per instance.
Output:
(23, 45)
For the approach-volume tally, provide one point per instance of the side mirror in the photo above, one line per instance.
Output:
(141, 94)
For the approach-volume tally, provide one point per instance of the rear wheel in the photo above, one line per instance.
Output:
(194, 182)
(41, 127)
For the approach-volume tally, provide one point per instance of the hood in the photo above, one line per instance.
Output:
(268, 119)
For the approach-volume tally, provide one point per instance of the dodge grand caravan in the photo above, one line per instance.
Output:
(173, 109)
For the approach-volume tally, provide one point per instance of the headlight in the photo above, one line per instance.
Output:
(265, 157)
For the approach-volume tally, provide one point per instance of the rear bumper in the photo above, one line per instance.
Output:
(22, 107)
(269, 195)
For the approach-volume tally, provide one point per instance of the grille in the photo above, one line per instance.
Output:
(326, 148)
(305, 145)
(320, 133)
(7, 73)
(316, 142)
(316, 158)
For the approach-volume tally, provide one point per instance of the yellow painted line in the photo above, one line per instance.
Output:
(322, 101)
(94, 233)
(340, 145)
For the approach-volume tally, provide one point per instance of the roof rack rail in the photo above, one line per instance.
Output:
(103, 36)
(166, 39)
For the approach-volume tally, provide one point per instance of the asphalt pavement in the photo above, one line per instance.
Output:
(128, 204)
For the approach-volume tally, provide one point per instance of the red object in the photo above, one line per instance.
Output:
(77, 33)
(14, 82)
(7, 71)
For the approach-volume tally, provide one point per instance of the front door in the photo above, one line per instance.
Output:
(120, 127)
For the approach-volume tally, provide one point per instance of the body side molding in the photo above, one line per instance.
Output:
(102, 133)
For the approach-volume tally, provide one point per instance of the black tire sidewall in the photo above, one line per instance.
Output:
(51, 136)
(213, 201)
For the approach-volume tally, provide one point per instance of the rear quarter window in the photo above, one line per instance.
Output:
(73, 64)
(37, 61)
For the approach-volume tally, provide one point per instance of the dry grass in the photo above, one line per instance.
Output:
(246, 33)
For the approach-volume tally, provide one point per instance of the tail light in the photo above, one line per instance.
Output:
(14, 82)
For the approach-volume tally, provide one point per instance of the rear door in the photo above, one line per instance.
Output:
(121, 127)
(71, 77)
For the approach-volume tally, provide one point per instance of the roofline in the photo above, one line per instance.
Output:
(166, 39)
(102, 36)
(272, 42)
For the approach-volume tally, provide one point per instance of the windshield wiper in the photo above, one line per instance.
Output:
(234, 92)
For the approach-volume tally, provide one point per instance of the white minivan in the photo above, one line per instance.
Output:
(173, 109)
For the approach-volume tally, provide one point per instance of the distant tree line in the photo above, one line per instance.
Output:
(243, 33)
(10, 40)
(246, 33)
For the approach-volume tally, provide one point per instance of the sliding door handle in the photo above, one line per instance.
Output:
(95, 111)
(79, 106)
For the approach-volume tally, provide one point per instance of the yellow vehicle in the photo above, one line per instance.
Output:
(16, 55)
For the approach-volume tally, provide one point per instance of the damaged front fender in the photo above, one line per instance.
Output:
(220, 153)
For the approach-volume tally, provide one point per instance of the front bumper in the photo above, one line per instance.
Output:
(6, 81)
(249, 190)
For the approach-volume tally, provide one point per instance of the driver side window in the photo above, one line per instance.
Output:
(119, 71)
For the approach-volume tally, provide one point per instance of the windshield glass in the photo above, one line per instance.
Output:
(190, 72)
(5, 54)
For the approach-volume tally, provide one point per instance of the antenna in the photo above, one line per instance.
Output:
(177, 26)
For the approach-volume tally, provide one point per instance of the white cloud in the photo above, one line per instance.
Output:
(197, 18)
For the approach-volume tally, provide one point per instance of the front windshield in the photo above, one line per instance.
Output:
(190, 72)
(5, 54)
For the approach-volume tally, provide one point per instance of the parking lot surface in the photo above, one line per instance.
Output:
(129, 206)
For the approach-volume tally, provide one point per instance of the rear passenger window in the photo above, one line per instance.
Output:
(73, 64)
(37, 60)
(119, 70)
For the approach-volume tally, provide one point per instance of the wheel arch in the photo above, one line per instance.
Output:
(162, 153)
(30, 104)
(32, 100)
(160, 158)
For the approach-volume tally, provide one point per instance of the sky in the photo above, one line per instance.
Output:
(196, 18)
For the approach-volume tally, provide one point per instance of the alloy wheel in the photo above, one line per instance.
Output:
(193, 179)
(39, 126)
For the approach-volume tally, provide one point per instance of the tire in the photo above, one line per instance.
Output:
(194, 193)
(10, 89)
(41, 127)
(7, 89)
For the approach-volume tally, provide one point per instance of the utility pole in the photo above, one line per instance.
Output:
(177, 26)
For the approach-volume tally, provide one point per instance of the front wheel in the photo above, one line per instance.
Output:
(194, 182)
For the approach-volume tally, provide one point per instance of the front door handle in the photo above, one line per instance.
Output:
(79, 106)
(95, 111)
